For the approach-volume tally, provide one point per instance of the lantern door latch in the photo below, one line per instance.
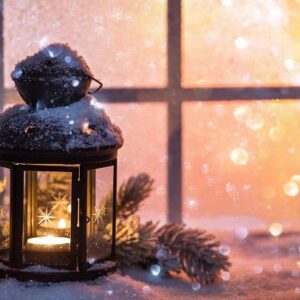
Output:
(87, 219)
(80, 215)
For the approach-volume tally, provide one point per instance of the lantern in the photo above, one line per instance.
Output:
(58, 181)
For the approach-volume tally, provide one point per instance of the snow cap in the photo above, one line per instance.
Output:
(54, 76)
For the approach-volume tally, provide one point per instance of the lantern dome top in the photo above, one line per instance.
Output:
(80, 126)
(54, 76)
(60, 116)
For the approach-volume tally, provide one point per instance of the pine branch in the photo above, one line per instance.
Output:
(173, 246)
(135, 242)
(3, 184)
(4, 224)
(4, 234)
(196, 251)
(132, 193)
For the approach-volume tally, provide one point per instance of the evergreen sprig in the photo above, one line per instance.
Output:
(132, 193)
(197, 252)
(175, 247)
(135, 242)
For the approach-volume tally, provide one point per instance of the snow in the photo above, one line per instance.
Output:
(47, 78)
(263, 268)
(80, 126)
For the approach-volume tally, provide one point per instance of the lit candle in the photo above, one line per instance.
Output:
(48, 240)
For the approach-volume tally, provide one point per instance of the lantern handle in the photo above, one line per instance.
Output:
(98, 88)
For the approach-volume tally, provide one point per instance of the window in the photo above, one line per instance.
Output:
(176, 71)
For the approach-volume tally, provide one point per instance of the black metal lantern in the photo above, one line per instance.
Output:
(75, 243)
(67, 232)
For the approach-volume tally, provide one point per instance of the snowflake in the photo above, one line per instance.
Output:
(59, 200)
(117, 15)
(99, 214)
(45, 216)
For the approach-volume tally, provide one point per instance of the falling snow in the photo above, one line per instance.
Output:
(240, 160)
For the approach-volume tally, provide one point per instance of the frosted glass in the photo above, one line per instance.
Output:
(124, 42)
(235, 43)
(241, 163)
(144, 129)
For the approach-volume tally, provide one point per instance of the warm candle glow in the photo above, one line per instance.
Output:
(49, 240)
(85, 128)
(69, 208)
(62, 224)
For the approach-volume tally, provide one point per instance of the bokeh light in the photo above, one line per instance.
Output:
(239, 156)
(276, 229)
(291, 189)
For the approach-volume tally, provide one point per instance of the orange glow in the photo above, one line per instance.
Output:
(237, 172)
(144, 128)
(235, 43)
(239, 158)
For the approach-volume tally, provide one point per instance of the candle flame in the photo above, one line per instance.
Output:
(62, 224)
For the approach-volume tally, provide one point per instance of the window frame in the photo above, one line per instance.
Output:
(174, 95)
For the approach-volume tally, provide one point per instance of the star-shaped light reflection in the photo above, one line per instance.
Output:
(59, 200)
(45, 216)
(99, 214)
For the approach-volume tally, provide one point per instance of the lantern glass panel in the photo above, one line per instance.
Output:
(100, 207)
(4, 213)
(47, 217)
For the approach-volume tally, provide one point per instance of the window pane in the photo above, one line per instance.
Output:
(108, 34)
(47, 218)
(99, 210)
(241, 43)
(144, 129)
(241, 164)
(4, 213)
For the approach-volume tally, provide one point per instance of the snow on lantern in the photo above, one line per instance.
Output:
(61, 153)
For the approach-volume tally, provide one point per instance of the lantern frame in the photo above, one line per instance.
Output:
(81, 165)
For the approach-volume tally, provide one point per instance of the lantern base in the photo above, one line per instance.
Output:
(45, 274)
